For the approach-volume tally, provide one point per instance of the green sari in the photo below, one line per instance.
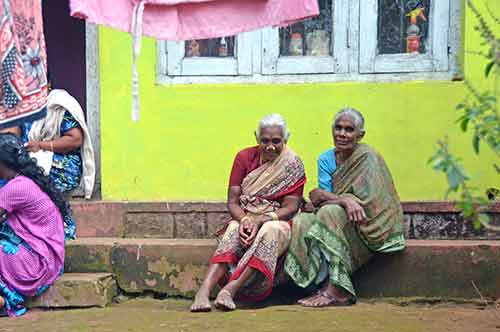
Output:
(326, 244)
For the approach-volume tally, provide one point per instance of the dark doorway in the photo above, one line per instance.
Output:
(65, 39)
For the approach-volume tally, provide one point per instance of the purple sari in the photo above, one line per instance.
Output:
(31, 243)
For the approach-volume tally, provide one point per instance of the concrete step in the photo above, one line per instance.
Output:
(423, 220)
(427, 268)
(172, 266)
(78, 290)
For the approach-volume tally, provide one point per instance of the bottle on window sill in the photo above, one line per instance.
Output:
(223, 51)
(193, 49)
(317, 43)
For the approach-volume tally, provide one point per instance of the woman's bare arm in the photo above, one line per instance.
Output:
(353, 209)
(12, 130)
(289, 207)
(319, 196)
(70, 141)
(233, 203)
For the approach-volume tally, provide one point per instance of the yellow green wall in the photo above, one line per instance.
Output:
(183, 146)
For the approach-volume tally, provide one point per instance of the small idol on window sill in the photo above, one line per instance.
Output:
(413, 39)
(295, 47)
(417, 12)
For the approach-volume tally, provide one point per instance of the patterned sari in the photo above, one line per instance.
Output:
(327, 244)
(262, 190)
(23, 62)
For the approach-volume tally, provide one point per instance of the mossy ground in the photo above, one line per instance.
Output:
(145, 315)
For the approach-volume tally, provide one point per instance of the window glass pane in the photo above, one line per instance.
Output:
(311, 37)
(403, 26)
(214, 47)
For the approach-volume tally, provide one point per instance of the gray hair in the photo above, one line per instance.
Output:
(273, 120)
(355, 115)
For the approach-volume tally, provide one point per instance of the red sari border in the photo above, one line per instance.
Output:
(228, 258)
(297, 185)
(258, 265)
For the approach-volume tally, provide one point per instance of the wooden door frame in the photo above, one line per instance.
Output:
(93, 98)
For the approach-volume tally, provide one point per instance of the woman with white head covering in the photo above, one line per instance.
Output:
(62, 146)
(63, 137)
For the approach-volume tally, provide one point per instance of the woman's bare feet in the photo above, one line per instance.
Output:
(201, 302)
(224, 301)
(329, 295)
(306, 300)
(2, 302)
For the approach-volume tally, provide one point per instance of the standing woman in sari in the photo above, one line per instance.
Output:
(358, 214)
(31, 228)
(265, 191)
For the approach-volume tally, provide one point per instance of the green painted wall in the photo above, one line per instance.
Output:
(184, 144)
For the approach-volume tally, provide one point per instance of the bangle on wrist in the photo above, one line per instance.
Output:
(245, 218)
(272, 215)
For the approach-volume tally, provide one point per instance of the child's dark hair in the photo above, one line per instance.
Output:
(14, 155)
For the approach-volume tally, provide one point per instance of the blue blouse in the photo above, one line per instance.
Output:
(66, 168)
(326, 168)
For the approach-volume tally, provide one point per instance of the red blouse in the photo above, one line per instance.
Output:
(245, 162)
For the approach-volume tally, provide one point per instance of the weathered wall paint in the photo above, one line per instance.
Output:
(184, 144)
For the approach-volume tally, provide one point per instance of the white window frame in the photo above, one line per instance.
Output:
(354, 57)
(179, 65)
(274, 64)
(434, 60)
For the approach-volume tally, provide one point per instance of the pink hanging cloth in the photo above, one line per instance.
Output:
(194, 19)
(189, 19)
(23, 62)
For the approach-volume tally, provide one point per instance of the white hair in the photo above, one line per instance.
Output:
(355, 115)
(273, 120)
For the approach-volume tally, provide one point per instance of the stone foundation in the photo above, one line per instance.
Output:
(198, 220)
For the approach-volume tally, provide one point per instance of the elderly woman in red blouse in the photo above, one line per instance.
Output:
(265, 191)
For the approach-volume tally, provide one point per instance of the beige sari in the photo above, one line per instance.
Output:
(262, 191)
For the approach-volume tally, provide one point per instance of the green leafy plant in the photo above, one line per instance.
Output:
(480, 115)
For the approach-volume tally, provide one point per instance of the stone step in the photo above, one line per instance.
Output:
(423, 220)
(171, 266)
(427, 268)
(78, 290)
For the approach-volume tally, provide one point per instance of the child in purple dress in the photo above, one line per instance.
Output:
(31, 228)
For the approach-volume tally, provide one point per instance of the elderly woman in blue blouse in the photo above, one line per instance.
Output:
(357, 214)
